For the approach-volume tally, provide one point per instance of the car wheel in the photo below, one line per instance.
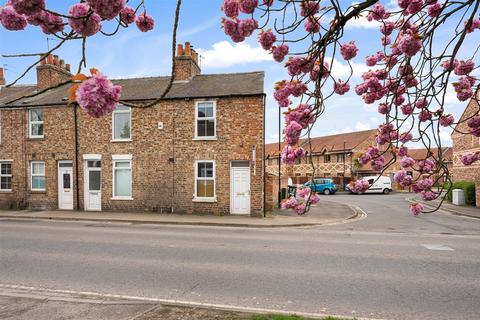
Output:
(326, 192)
(386, 191)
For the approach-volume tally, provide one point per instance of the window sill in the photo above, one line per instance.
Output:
(205, 139)
(122, 140)
(38, 191)
(40, 138)
(121, 198)
(6, 190)
(214, 199)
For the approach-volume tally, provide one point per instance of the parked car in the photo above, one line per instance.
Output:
(378, 184)
(325, 186)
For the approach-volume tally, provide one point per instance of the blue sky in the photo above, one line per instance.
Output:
(134, 54)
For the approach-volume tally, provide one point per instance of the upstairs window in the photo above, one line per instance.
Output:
(327, 158)
(37, 176)
(5, 176)
(205, 126)
(340, 157)
(122, 124)
(205, 179)
(35, 123)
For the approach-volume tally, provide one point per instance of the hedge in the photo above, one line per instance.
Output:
(468, 187)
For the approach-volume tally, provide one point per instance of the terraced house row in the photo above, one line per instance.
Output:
(198, 150)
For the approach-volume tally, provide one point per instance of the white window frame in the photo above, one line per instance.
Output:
(30, 123)
(37, 175)
(122, 158)
(205, 199)
(129, 111)
(214, 118)
(6, 175)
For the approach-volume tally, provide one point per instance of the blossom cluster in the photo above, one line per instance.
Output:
(85, 17)
(306, 197)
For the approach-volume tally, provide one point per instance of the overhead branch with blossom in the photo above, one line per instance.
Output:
(412, 71)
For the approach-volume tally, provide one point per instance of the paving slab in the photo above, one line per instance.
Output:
(469, 211)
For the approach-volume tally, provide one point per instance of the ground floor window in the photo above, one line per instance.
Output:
(37, 176)
(122, 178)
(205, 179)
(5, 176)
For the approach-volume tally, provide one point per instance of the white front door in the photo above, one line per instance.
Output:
(93, 185)
(240, 190)
(65, 185)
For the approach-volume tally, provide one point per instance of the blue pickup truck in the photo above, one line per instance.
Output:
(325, 186)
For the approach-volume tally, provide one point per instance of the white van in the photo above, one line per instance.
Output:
(378, 184)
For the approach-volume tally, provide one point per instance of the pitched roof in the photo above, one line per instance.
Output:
(330, 143)
(201, 86)
(421, 153)
(15, 92)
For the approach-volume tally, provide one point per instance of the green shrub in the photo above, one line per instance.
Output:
(468, 187)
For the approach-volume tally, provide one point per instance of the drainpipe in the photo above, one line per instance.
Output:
(263, 157)
(279, 157)
(75, 121)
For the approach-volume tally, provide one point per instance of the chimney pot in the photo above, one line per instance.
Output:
(50, 59)
(67, 67)
(2, 77)
(187, 49)
(55, 60)
(62, 63)
(180, 50)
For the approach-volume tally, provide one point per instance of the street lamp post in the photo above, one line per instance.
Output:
(344, 168)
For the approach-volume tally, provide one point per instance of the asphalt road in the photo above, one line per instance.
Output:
(389, 265)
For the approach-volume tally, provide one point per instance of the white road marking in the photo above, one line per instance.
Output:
(32, 292)
(437, 247)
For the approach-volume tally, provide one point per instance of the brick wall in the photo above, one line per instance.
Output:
(158, 184)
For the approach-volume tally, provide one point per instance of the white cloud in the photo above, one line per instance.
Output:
(360, 126)
(340, 70)
(362, 23)
(223, 54)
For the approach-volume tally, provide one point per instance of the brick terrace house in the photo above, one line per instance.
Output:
(467, 143)
(199, 150)
(333, 156)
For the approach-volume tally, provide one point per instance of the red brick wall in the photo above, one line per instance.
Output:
(239, 127)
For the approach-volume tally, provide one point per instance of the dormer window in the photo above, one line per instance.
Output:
(35, 123)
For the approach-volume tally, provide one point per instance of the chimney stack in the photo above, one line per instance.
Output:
(186, 63)
(2, 77)
(51, 72)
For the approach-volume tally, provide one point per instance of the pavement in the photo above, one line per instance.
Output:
(469, 211)
(325, 213)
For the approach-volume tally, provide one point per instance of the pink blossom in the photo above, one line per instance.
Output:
(378, 13)
(402, 151)
(294, 65)
(360, 186)
(144, 22)
(424, 116)
(341, 87)
(107, 9)
(407, 162)
(297, 88)
(248, 6)
(292, 132)
(246, 27)
(378, 163)
(127, 15)
(229, 27)
(28, 7)
(449, 65)
(435, 9)
(312, 24)
(416, 208)
(348, 50)
(268, 3)
(421, 103)
(475, 25)
(409, 45)
(309, 8)
(280, 52)
(11, 20)
(414, 6)
(267, 39)
(469, 158)
(424, 184)
(447, 120)
(383, 108)
(386, 40)
(231, 8)
(371, 61)
(98, 96)
(290, 203)
(83, 21)
(464, 95)
(289, 155)
(49, 22)
(403, 178)
(464, 68)
(428, 195)
(405, 137)
(301, 209)
(304, 192)
(474, 122)
(407, 109)
(425, 166)
(318, 71)
(365, 158)
(314, 198)
(387, 28)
